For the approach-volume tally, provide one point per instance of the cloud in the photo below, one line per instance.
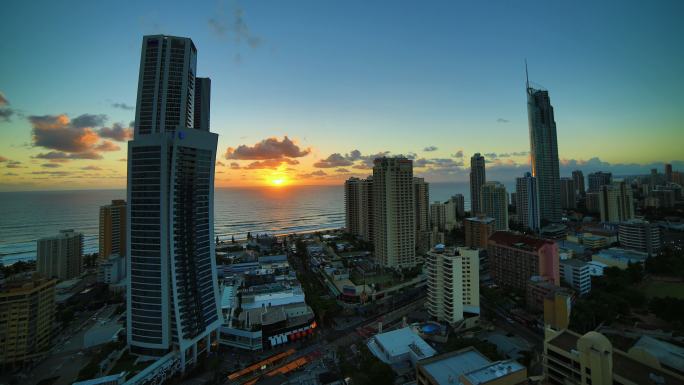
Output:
(457, 154)
(89, 120)
(270, 148)
(123, 106)
(235, 165)
(52, 173)
(10, 174)
(233, 26)
(5, 111)
(3, 159)
(342, 170)
(13, 164)
(333, 160)
(430, 149)
(58, 156)
(490, 155)
(123, 160)
(50, 165)
(91, 167)
(502, 120)
(219, 163)
(354, 155)
(319, 174)
(107, 146)
(117, 132)
(270, 164)
(437, 163)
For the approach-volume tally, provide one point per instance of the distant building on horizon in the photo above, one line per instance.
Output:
(527, 202)
(494, 199)
(394, 208)
(112, 233)
(61, 256)
(578, 177)
(598, 179)
(172, 293)
(544, 153)
(477, 179)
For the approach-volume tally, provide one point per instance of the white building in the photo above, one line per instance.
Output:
(112, 270)
(454, 210)
(399, 346)
(453, 283)
(61, 256)
(172, 286)
(577, 274)
(438, 216)
(640, 235)
(394, 207)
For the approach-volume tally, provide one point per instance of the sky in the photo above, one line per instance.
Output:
(309, 92)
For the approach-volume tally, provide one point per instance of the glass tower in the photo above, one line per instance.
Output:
(172, 287)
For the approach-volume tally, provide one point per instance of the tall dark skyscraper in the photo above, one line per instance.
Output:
(578, 177)
(172, 290)
(544, 152)
(477, 179)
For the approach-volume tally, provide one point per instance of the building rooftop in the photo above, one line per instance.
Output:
(574, 262)
(623, 254)
(668, 354)
(272, 258)
(446, 368)
(521, 241)
(493, 371)
(485, 220)
(403, 341)
(623, 365)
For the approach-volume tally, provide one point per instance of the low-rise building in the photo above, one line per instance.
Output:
(590, 359)
(538, 288)
(640, 235)
(27, 317)
(620, 258)
(469, 367)
(477, 231)
(398, 346)
(577, 274)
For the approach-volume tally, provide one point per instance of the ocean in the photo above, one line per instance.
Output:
(27, 216)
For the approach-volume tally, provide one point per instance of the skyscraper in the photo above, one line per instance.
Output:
(568, 193)
(477, 179)
(358, 207)
(172, 288)
(544, 152)
(454, 210)
(112, 238)
(527, 202)
(438, 216)
(578, 177)
(494, 199)
(61, 256)
(598, 179)
(668, 172)
(421, 195)
(394, 207)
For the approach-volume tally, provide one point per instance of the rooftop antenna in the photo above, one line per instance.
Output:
(527, 76)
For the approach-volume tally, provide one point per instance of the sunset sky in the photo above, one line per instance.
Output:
(308, 92)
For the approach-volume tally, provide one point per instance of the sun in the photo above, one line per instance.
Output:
(278, 181)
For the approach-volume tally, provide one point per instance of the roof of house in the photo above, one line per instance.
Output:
(510, 239)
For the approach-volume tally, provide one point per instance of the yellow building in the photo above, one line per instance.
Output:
(27, 317)
(112, 238)
(571, 358)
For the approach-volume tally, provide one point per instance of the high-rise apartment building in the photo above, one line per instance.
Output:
(568, 193)
(27, 318)
(438, 216)
(494, 199)
(616, 203)
(527, 202)
(112, 229)
(678, 178)
(598, 179)
(477, 179)
(515, 258)
(453, 283)
(172, 287)
(421, 195)
(455, 209)
(668, 172)
(578, 177)
(640, 235)
(477, 231)
(394, 208)
(591, 202)
(61, 256)
(358, 207)
(544, 153)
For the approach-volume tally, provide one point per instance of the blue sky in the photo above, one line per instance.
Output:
(374, 76)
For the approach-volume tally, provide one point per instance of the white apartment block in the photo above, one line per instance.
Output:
(453, 283)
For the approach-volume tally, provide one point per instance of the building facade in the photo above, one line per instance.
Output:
(112, 234)
(598, 179)
(577, 274)
(616, 203)
(578, 178)
(477, 231)
(172, 287)
(640, 235)
(515, 258)
(478, 177)
(544, 152)
(421, 195)
(358, 207)
(568, 193)
(394, 208)
(453, 283)
(27, 318)
(61, 256)
(438, 216)
(494, 199)
(527, 202)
